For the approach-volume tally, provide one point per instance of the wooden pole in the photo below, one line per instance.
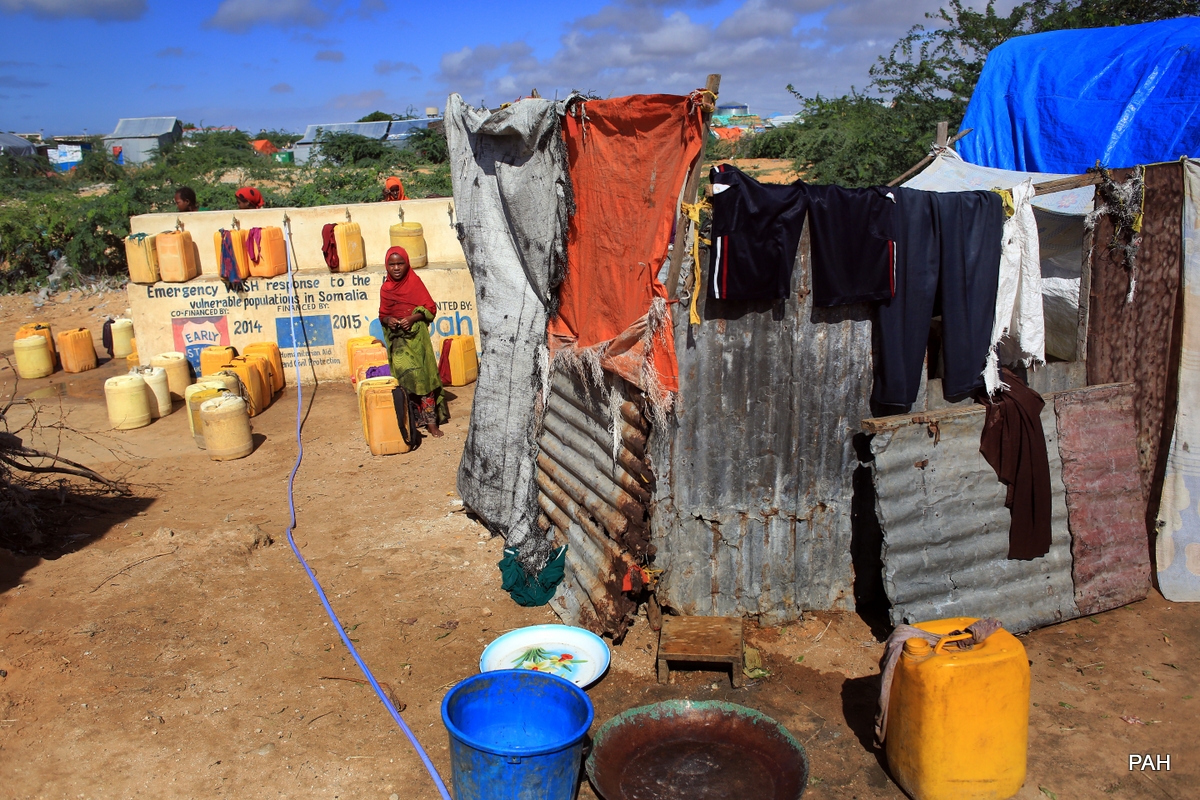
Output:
(713, 84)
(941, 142)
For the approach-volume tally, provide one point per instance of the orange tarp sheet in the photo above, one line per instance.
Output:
(264, 146)
(732, 134)
(628, 158)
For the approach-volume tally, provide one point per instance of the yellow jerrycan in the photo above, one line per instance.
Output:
(76, 350)
(271, 351)
(39, 329)
(226, 426)
(459, 351)
(179, 372)
(383, 381)
(958, 720)
(214, 357)
(256, 385)
(197, 393)
(380, 425)
(128, 402)
(34, 359)
(410, 236)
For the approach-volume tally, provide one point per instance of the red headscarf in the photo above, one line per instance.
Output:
(250, 195)
(396, 183)
(400, 298)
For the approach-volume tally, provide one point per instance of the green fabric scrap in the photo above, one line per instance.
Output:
(532, 590)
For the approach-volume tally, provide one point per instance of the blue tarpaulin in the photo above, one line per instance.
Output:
(1060, 101)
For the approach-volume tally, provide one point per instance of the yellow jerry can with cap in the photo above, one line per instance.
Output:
(34, 359)
(39, 329)
(226, 426)
(176, 256)
(197, 394)
(958, 720)
(349, 240)
(128, 402)
(410, 236)
(382, 382)
(214, 357)
(179, 371)
(380, 425)
(76, 350)
(141, 257)
(255, 382)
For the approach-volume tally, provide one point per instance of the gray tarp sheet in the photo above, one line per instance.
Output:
(512, 195)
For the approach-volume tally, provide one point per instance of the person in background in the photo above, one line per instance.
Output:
(185, 199)
(249, 197)
(393, 190)
(405, 310)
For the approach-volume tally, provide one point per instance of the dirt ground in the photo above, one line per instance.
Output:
(169, 644)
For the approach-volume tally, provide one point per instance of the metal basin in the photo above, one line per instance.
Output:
(702, 750)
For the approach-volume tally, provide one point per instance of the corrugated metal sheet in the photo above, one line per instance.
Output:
(945, 526)
(1097, 432)
(594, 490)
(1137, 342)
(372, 130)
(401, 128)
(137, 151)
(145, 126)
(754, 516)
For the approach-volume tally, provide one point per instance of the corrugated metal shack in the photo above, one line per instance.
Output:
(372, 130)
(140, 138)
(774, 491)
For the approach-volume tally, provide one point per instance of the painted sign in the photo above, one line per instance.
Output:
(328, 309)
(193, 334)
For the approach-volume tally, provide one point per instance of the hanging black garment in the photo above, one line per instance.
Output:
(755, 232)
(853, 249)
(947, 264)
(1014, 443)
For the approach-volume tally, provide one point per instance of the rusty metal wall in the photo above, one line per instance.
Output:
(945, 526)
(752, 513)
(594, 490)
(1138, 342)
(1097, 431)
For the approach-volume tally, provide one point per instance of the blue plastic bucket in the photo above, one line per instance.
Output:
(516, 735)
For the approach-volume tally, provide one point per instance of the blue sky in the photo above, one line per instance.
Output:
(70, 65)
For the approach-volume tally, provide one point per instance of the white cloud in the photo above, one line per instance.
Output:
(632, 46)
(239, 16)
(358, 100)
(90, 9)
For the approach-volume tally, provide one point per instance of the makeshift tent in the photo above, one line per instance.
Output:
(512, 197)
(1063, 100)
(15, 145)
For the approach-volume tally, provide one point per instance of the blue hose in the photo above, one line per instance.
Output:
(387, 703)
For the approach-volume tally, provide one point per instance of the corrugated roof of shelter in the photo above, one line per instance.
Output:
(372, 130)
(138, 127)
(949, 173)
(401, 128)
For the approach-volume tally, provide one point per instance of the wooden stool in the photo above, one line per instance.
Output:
(714, 640)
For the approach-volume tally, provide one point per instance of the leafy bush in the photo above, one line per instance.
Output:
(773, 143)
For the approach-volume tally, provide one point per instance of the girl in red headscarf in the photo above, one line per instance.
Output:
(248, 197)
(405, 310)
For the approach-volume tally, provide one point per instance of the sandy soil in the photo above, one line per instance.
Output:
(169, 644)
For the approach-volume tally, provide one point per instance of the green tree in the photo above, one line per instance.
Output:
(379, 116)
